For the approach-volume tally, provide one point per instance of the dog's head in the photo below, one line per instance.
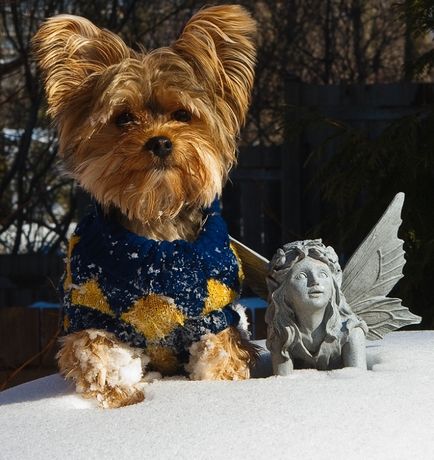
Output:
(149, 133)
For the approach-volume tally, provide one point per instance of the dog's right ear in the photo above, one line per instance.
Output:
(70, 49)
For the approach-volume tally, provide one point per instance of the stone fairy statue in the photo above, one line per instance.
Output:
(310, 324)
(318, 316)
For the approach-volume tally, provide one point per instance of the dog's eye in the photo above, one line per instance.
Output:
(124, 119)
(182, 115)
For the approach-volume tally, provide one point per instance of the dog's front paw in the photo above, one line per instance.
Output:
(223, 356)
(103, 367)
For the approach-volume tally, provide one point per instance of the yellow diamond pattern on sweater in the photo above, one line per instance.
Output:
(90, 295)
(68, 275)
(66, 322)
(155, 316)
(219, 296)
(240, 265)
(163, 359)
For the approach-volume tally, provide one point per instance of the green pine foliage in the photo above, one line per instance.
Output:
(360, 180)
(418, 15)
(358, 175)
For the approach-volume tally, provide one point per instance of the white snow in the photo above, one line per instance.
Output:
(384, 413)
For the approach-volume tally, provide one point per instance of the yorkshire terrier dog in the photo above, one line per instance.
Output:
(151, 277)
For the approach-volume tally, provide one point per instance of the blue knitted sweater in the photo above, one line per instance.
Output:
(158, 295)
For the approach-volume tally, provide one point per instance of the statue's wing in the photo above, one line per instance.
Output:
(383, 315)
(255, 268)
(377, 264)
(373, 270)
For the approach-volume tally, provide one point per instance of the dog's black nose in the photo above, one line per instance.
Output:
(160, 146)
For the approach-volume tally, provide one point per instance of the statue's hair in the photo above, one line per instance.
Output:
(283, 332)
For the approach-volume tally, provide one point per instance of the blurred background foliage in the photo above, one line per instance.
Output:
(326, 42)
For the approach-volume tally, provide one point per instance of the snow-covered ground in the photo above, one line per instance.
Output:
(385, 413)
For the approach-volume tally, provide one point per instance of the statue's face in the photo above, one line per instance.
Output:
(309, 285)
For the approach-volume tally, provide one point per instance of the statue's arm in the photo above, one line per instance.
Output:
(354, 351)
(281, 366)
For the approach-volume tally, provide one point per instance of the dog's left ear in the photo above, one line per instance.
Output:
(218, 42)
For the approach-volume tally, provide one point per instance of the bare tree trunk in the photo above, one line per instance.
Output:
(358, 38)
(409, 49)
(328, 42)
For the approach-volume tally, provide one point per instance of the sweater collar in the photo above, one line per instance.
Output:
(99, 232)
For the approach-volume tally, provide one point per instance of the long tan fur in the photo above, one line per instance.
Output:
(91, 77)
(93, 360)
(224, 356)
(108, 101)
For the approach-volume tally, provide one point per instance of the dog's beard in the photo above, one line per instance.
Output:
(146, 188)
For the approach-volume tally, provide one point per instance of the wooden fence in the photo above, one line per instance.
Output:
(25, 332)
(27, 278)
(369, 108)
(27, 335)
(266, 203)
(252, 199)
